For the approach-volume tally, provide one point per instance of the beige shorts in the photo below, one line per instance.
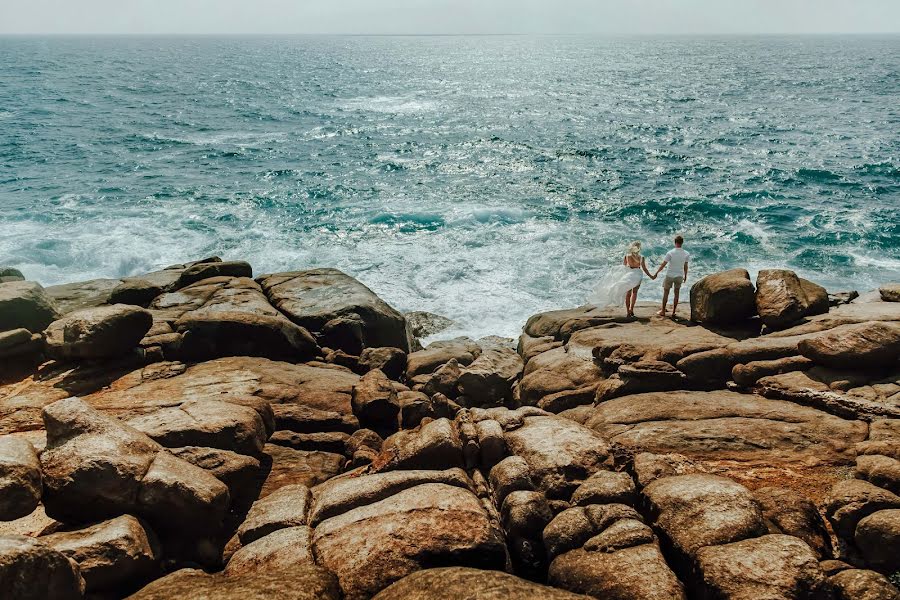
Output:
(668, 282)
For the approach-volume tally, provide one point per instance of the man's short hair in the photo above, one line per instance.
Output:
(679, 240)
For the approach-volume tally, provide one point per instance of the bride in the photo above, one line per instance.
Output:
(621, 283)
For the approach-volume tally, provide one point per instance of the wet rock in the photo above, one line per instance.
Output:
(390, 361)
(723, 298)
(112, 555)
(700, 510)
(560, 453)
(20, 478)
(370, 547)
(633, 572)
(434, 445)
(786, 512)
(375, 403)
(286, 507)
(752, 372)
(208, 423)
(345, 313)
(890, 292)
(280, 550)
(342, 494)
(606, 487)
(861, 584)
(25, 305)
(453, 583)
(301, 582)
(852, 500)
(780, 298)
(489, 379)
(95, 467)
(100, 332)
(32, 570)
(882, 471)
(878, 539)
(771, 566)
(867, 345)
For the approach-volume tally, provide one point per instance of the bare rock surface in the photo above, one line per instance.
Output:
(857, 346)
(723, 298)
(862, 584)
(490, 378)
(32, 570)
(878, 538)
(456, 583)
(787, 512)
(343, 312)
(285, 507)
(114, 555)
(280, 550)
(20, 478)
(852, 500)
(69, 297)
(370, 547)
(25, 305)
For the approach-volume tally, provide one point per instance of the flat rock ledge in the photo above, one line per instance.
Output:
(196, 432)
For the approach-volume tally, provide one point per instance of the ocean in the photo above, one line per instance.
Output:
(482, 178)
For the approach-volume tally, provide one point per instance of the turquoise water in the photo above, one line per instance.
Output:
(483, 178)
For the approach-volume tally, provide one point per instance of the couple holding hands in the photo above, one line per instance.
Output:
(621, 284)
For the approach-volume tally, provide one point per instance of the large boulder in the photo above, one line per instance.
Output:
(115, 555)
(723, 298)
(878, 539)
(283, 549)
(434, 445)
(862, 345)
(375, 403)
(771, 566)
(454, 583)
(25, 304)
(890, 292)
(780, 298)
(206, 270)
(370, 547)
(32, 570)
(286, 507)
(423, 362)
(344, 313)
(883, 471)
(298, 467)
(852, 500)
(560, 454)
(20, 478)
(490, 378)
(699, 510)
(96, 467)
(209, 423)
(301, 582)
(786, 512)
(862, 584)
(99, 332)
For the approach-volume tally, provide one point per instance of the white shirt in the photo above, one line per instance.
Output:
(677, 258)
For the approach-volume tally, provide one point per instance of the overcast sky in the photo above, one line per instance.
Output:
(449, 16)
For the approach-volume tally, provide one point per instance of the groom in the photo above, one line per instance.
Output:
(677, 260)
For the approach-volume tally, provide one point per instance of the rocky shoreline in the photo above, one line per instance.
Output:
(196, 432)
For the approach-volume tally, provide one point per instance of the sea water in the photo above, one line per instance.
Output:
(481, 178)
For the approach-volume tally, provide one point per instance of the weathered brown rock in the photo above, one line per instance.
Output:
(305, 419)
(575, 526)
(426, 361)
(560, 454)
(99, 332)
(370, 547)
(700, 510)
(32, 570)
(510, 474)
(878, 539)
(559, 371)
(205, 270)
(723, 298)
(342, 311)
(648, 467)
(882, 471)
(748, 374)
(301, 582)
(788, 513)
(290, 467)
(20, 478)
(771, 566)
(342, 494)
(114, 555)
(861, 584)
(20, 344)
(285, 507)
(281, 550)
(890, 292)
(490, 378)
(238, 472)
(857, 346)
(375, 402)
(390, 361)
(780, 298)
(852, 500)
(25, 305)
(606, 487)
(454, 583)
(434, 445)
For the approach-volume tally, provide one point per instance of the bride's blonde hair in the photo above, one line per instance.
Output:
(634, 249)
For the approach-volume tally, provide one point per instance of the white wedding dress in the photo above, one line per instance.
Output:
(612, 288)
